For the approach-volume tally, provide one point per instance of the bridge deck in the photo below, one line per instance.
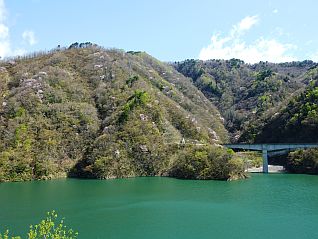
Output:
(270, 149)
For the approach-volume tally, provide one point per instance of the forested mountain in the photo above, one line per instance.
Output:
(264, 103)
(246, 93)
(297, 121)
(90, 112)
(86, 111)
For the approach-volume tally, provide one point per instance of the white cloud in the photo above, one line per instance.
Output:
(29, 37)
(4, 31)
(5, 44)
(246, 23)
(234, 46)
(275, 11)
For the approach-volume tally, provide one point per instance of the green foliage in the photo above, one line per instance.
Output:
(296, 122)
(132, 80)
(246, 94)
(207, 163)
(190, 68)
(91, 112)
(250, 158)
(48, 228)
(303, 161)
(262, 75)
(138, 99)
(20, 112)
(6, 235)
(236, 63)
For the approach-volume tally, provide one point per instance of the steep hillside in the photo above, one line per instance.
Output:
(90, 112)
(296, 122)
(245, 93)
(264, 103)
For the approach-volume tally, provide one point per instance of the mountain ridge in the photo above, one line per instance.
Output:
(92, 112)
(86, 111)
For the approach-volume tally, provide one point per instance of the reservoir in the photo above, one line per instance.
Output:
(263, 206)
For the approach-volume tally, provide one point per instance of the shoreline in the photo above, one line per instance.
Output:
(271, 169)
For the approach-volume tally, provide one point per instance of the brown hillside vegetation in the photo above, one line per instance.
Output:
(91, 112)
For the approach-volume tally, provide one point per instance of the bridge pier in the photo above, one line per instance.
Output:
(271, 149)
(265, 161)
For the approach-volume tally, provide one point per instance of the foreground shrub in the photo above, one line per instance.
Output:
(48, 228)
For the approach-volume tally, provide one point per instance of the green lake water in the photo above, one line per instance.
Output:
(264, 206)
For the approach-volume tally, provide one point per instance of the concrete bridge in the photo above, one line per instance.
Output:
(270, 149)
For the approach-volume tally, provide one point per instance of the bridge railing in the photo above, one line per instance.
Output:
(270, 147)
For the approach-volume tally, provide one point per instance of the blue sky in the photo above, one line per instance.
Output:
(169, 30)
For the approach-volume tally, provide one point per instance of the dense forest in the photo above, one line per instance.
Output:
(243, 92)
(90, 112)
(264, 102)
